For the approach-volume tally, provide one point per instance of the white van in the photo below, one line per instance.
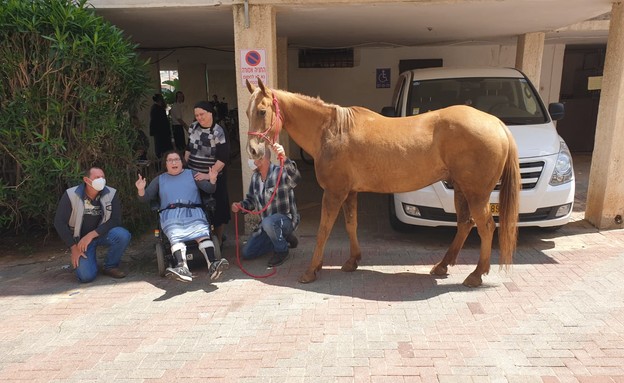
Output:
(547, 191)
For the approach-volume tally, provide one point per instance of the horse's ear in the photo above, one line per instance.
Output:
(250, 86)
(262, 87)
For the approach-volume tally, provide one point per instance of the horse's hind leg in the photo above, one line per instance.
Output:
(349, 209)
(329, 210)
(485, 226)
(464, 225)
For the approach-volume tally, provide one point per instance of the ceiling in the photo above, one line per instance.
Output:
(402, 23)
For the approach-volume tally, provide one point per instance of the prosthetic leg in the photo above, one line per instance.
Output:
(181, 271)
(215, 266)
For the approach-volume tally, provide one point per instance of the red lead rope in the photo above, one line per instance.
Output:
(264, 136)
(238, 260)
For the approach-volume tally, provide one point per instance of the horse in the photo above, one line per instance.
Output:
(357, 150)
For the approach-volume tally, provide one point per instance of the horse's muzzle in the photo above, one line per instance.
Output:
(255, 148)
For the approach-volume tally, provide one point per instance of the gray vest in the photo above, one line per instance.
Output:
(75, 220)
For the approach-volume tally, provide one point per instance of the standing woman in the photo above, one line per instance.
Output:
(159, 127)
(208, 148)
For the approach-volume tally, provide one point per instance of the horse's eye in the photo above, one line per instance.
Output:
(262, 113)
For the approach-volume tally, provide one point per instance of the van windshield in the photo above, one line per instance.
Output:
(510, 99)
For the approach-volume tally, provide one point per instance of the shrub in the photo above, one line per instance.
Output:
(69, 81)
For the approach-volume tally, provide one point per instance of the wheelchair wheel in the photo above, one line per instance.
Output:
(160, 259)
(217, 248)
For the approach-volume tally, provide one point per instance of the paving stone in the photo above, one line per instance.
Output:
(557, 316)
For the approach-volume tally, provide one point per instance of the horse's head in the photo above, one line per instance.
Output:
(264, 119)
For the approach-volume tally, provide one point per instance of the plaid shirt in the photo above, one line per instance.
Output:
(284, 201)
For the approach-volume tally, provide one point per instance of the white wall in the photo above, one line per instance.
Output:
(202, 73)
(357, 86)
(222, 82)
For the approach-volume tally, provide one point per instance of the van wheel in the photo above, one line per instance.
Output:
(160, 259)
(394, 221)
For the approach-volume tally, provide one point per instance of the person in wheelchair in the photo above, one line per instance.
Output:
(181, 215)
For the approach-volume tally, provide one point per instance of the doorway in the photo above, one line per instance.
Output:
(581, 65)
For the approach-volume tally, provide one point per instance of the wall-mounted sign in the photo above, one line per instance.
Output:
(383, 78)
(594, 83)
(253, 66)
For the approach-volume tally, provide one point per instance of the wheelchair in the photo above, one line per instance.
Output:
(194, 257)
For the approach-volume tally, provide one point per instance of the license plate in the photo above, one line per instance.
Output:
(494, 209)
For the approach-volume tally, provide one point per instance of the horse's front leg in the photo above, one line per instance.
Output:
(329, 211)
(349, 209)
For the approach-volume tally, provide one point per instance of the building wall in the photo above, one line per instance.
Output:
(357, 85)
(350, 86)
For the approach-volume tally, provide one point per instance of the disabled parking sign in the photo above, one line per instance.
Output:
(383, 78)
(253, 65)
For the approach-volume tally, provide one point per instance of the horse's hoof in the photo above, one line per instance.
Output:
(473, 281)
(308, 277)
(349, 266)
(439, 270)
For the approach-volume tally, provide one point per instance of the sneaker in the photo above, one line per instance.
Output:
(218, 267)
(293, 242)
(278, 258)
(181, 273)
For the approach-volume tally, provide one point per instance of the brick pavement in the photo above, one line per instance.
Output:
(555, 317)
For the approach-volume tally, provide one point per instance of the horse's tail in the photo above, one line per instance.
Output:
(509, 201)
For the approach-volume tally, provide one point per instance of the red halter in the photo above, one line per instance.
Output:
(276, 124)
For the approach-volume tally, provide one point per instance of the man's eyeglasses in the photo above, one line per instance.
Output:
(174, 160)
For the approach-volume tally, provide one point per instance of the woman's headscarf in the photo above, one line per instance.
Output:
(205, 105)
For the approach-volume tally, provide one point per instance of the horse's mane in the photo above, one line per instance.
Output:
(344, 115)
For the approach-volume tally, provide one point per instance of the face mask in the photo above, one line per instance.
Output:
(98, 184)
(251, 164)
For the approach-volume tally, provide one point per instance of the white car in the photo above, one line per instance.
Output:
(547, 193)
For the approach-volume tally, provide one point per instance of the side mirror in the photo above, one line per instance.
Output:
(556, 110)
(388, 111)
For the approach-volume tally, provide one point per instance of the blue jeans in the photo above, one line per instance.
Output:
(271, 237)
(116, 240)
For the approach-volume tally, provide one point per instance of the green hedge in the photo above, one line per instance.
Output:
(69, 82)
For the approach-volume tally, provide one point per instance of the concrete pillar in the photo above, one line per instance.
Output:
(254, 28)
(552, 69)
(605, 194)
(529, 52)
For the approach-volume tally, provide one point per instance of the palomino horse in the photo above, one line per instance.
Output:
(357, 150)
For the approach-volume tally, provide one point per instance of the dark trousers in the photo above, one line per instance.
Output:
(162, 144)
(178, 137)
